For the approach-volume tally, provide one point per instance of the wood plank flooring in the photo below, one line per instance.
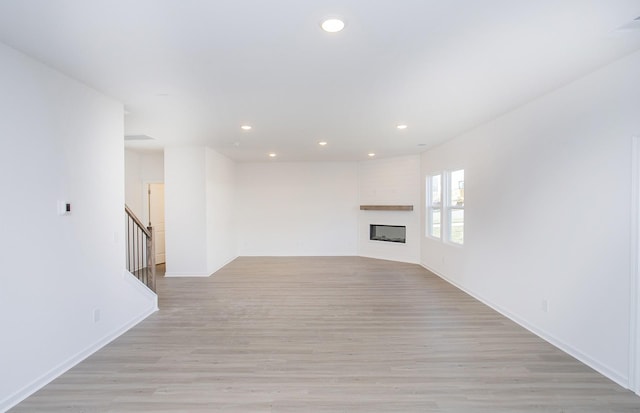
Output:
(338, 334)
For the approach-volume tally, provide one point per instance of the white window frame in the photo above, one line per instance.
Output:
(446, 208)
(449, 207)
(430, 205)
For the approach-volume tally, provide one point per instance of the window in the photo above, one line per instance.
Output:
(455, 207)
(434, 206)
(445, 206)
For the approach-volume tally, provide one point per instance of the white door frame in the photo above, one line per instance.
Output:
(146, 215)
(145, 199)
(634, 273)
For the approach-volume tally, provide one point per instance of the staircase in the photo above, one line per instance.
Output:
(141, 257)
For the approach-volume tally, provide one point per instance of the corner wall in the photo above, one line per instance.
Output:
(547, 229)
(392, 181)
(185, 206)
(200, 229)
(64, 292)
(221, 211)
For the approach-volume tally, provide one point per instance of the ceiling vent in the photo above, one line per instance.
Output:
(138, 138)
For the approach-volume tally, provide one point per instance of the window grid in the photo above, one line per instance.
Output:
(455, 206)
(445, 206)
(434, 202)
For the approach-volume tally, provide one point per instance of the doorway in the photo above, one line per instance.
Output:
(155, 193)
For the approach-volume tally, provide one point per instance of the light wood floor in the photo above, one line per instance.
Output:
(340, 334)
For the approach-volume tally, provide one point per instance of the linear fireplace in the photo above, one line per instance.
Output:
(388, 233)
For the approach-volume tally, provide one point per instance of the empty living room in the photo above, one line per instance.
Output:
(311, 206)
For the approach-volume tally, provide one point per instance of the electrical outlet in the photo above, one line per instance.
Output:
(96, 315)
(544, 305)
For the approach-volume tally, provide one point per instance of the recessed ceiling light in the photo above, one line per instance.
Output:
(322, 143)
(371, 155)
(272, 155)
(245, 127)
(402, 126)
(332, 25)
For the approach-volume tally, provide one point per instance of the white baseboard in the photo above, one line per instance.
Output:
(615, 376)
(213, 271)
(140, 287)
(66, 365)
(229, 261)
(385, 258)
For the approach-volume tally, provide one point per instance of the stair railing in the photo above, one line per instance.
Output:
(141, 256)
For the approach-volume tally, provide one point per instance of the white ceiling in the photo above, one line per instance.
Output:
(194, 71)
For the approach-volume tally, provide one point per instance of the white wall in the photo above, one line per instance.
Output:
(547, 196)
(393, 181)
(221, 221)
(199, 211)
(60, 141)
(297, 209)
(141, 168)
(133, 182)
(185, 209)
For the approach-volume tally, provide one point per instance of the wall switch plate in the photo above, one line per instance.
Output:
(64, 208)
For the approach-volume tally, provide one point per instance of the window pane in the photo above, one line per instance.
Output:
(435, 221)
(457, 188)
(456, 226)
(436, 190)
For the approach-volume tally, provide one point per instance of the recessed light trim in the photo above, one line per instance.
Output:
(402, 126)
(371, 154)
(332, 25)
(246, 127)
(322, 143)
(273, 155)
